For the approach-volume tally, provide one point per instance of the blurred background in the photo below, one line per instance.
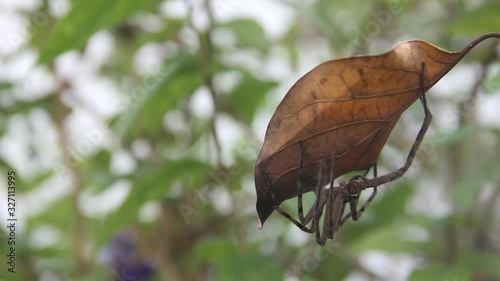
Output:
(133, 129)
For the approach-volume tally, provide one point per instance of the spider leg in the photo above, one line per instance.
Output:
(331, 215)
(355, 187)
(411, 155)
(338, 209)
(299, 188)
(285, 214)
(355, 213)
(289, 217)
(322, 197)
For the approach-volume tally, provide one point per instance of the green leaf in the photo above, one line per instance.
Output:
(481, 262)
(481, 20)
(385, 209)
(152, 183)
(85, 18)
(435, 272)
(144, 108)
(95, 171)
(465, 192)
(26, 106)
(387, 238)
(455, 136)
(251, 267)
(215, 250)
(289, 42)
(392, 205)
(249, 34)
(57, 215)
(248, 95)
(492, 85)
(170, 28)
(308, 278)
(35, 181)
(5, 86)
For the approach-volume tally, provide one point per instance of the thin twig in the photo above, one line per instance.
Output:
(466, 109)
(467, 106)
(79, 234)
(207, 53)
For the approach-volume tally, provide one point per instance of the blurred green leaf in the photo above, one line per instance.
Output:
(199, 129)
(153, 183)
(250, 267)
(455, 136)
(480, 20)
(492, 85)
(84, 19)
(481, 263)
(26, 106)
(249, 34)
(388, 238)
(29, 184)
(5, 86)
(315, 13)
(465, 192)
(170, 28)
(215, 250)
(384, 210)
(248, 95)
(56, 215)
(95, 171)
(289, 42)
(435, 272)
(143, 109)
(334, 265)
(392, 204)
(308, 278)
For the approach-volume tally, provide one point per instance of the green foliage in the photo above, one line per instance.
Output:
(146, 104)
(246, 98)
(249, 34)
(492, 85)
(188, 200)
(250, 267)
(152, 182)
(84, 19)
(483, 173)
(480, 20)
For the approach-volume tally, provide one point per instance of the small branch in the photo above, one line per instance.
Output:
(207, 53)
(459, 155)
(468, 105)
(451, 243)
(485, 222)
(163, 247)
(79, 234)
(489, 208)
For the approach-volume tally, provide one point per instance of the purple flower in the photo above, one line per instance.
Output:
(123, 258)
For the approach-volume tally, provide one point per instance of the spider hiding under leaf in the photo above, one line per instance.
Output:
(335, 120)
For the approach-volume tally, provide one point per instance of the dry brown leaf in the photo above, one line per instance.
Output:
(346, 107)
